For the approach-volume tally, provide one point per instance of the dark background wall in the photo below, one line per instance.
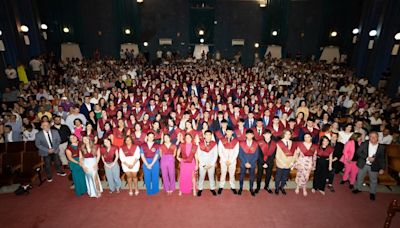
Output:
(303, 28)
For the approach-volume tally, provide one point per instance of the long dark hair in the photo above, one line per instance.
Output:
(322, 139)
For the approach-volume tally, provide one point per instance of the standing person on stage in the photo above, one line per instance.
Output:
(109, 156)
(186, 155)
(266, 160)
(167, 154)
(371, 160)
(151, 166)
(306, 154)
(129, 154)
(89, 158)
(350, 158)
(48, 141)
(228, 150)
(337, 165)
(285, 159)
(207, 157)
(64, 132)
(78, 175)
(248, 155)
(323, 166)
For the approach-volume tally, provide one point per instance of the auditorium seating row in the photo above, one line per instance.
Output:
(19, 162)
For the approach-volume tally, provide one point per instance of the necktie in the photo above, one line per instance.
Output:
(229, 140)
(48, 136)
(259, 131)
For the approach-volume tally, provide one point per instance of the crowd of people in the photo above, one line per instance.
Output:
(316, 118)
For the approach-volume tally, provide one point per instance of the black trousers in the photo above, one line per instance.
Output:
(268, 171)
(321, 173)
(47, 164)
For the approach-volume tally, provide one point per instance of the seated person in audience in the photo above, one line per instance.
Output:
(385, 137)
(10, 135)
(29, 133)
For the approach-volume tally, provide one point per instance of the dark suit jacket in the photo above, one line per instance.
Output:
(84, 110)
(247, 123)
(337, 153)
(380, 157)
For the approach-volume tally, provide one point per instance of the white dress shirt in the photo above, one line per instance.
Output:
(372, 148)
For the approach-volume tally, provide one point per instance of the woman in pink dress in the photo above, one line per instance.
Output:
(188, 166)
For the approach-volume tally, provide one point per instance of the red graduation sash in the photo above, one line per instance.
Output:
(266, 148)
(140, 140)
(219, 134)
(165, 150)
(325, 153)
(188, 158)
(229, 145)
(109, 155)
(249, 150)
(149, 152)
(305, 151)
(313, 133)
(277, 133)
(207, 148)
(288, 152)
(74, 151)
(129, 151)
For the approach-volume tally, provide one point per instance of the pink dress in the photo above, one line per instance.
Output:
(187, 169)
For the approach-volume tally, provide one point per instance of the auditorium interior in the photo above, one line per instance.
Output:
(194, 113)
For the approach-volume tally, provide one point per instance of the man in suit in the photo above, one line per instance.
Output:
(86, 107)
(48, 142)
(371, 160)
(250, 122)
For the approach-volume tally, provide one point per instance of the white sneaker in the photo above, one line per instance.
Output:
(63, 174)
(49, 180)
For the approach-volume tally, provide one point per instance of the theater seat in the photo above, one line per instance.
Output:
(11, 164)
(15, 147)
(31, 161)
(384, 179)
(393, 155)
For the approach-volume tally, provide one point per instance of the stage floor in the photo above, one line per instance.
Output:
(55, 205)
